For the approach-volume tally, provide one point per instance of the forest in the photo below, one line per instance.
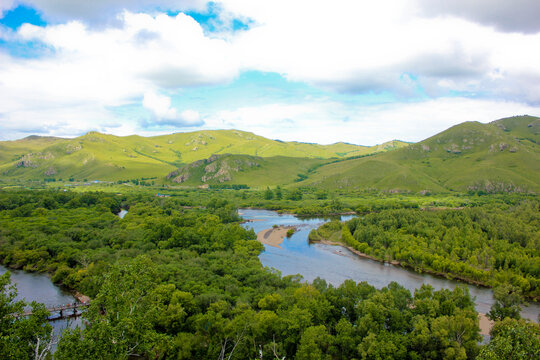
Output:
(180, 278)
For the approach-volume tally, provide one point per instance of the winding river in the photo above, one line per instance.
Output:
(336, 264)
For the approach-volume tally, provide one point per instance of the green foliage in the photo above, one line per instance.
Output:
(278, 193)
(507, 302)
(295, 195)
(512, 339)
(268, 194)
(122, 316)
(174, 282)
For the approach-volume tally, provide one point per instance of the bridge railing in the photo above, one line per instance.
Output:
(59, 308)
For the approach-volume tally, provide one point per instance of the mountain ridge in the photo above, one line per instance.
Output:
(108, 157)
(503, 155)
(468, 156)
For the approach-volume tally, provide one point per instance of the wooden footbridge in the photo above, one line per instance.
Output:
(61, 311)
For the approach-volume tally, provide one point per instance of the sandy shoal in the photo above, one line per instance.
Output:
(272, 237)
(485, 324)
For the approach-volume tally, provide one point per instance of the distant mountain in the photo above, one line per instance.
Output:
(97, 156)
(500, 156)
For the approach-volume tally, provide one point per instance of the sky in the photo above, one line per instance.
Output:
(363, 72)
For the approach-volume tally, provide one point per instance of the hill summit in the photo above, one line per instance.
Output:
(503, 155)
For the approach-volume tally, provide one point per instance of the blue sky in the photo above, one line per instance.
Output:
(345, 71)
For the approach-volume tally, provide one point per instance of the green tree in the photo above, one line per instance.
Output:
(278, 193)
(314, 344)
(508, 302)
(268, 194)
(122, 317)
(295, 195)
(512, 339)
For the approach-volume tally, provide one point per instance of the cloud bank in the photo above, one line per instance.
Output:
(101, 56)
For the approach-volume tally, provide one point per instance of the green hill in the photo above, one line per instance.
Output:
(96, 156)
(500, 156)
(254, 171)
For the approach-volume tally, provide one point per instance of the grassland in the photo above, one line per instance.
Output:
(97, 156)
(501, 156)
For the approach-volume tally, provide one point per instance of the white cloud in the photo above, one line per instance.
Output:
(58, 121)
(353, 46)
(100, 69)
(164, 114)
(190, 118)
(324, 121)
(159, 105)
(358, 46)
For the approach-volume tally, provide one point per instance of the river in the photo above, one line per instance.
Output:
(39, 287)
(336, 264)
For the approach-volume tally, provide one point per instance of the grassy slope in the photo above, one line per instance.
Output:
(108, 157)
(500, 154)
(268, 171)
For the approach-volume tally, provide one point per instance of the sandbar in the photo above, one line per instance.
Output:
(273, 236)
(485, 324)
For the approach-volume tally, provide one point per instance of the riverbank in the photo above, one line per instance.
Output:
(289, 211)
(80, 297)
(274, 236)
(353, 250)
(404, 265)
(484, 323)
(335, 265)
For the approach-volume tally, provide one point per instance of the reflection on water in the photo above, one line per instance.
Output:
(336, 264)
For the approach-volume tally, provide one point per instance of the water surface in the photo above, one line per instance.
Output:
(122, 213)
(39, 287)
(336, 264)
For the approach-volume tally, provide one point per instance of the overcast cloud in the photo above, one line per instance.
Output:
(512, 16)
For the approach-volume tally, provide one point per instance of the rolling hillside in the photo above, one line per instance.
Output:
(96, 156)
(254, 171)
(500, 156)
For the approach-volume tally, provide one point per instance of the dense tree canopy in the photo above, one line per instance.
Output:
(185, 282)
